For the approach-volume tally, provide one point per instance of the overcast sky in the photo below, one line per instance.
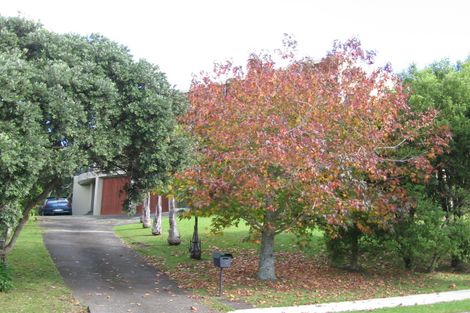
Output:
(184, 37)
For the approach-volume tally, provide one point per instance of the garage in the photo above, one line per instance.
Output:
(104, 194)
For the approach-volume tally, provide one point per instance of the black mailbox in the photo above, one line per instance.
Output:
(216, 258)
(225, 260)
(222, 260)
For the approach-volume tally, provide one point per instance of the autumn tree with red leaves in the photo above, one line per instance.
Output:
(282, 147)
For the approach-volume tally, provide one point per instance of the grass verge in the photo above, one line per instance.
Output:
(448, 307)
(304, 276)
(38, 286)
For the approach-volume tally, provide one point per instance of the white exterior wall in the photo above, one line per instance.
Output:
(98, 196)
(81, 200)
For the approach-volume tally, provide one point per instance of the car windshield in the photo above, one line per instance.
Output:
(57, 203)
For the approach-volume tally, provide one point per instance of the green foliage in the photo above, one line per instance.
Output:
(459, 234)
(422, 237)
(9, 217)
(69, 102)
(5, 278)
(343, 250)
(446, 87)
(337, 249)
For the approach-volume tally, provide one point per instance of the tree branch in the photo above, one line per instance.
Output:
(294, 221)
(391, 147)
(253, 223)
(405, 160)
(28, 207)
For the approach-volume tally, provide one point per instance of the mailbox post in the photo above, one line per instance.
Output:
(222, 260)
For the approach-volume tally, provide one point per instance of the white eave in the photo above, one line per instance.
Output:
(89, 177)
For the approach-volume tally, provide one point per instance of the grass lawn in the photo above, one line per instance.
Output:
(304, 276)
(39, 288)
(449, 307)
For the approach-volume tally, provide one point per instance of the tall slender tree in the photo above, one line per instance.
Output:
(146, 219)
(157, 221)
(173, 233)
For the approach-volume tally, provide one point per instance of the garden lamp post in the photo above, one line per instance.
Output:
(195, 243)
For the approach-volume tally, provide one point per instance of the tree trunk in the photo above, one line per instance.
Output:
(266, 268)
(408, 262)
(433, 263)
(157, 222)
(4, 230)
(146, 220)
(4, 234)
(24, 219)
(173, 234)
(354, 256)
(457, 263)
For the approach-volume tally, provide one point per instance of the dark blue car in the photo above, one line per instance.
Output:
(56, 206)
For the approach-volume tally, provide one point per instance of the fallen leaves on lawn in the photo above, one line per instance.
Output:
(301, 276)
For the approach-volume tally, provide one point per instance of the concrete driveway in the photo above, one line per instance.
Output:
(105, 274)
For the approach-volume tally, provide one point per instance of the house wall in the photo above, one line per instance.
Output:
(82, 196)
(97, 200)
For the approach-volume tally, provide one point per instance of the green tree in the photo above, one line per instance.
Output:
(69, 102)
(446, 87)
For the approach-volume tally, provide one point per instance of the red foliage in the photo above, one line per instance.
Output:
(308, 139)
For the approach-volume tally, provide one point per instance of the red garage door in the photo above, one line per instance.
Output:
(114, 195)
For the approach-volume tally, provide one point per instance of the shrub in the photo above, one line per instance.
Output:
(421, 237)
(459, 233)
(343, 250)
(5, 278)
